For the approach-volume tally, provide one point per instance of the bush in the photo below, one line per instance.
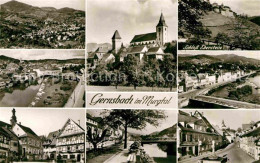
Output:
(66, 87)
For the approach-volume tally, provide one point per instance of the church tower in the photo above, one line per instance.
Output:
(13, 118)
(116, 42)
(162, 31)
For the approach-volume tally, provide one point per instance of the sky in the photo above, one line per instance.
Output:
(232, 118)
(129, 17)
(170, 120)
(44, 121)
(58, 4)
(248, 54)
(43, 54)
(249, 7)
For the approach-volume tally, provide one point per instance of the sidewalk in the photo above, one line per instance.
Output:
(76, 97)
(206, 155)
(118, 157)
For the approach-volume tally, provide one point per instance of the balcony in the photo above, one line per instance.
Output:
(186, 143)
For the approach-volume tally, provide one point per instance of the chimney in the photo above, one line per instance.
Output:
(20, 123)
(190, 113)
(79, 122)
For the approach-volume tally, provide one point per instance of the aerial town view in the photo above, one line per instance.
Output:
(218, 136)
(219, 25)
(44, 78)
(25, 26)
(219, 80)
(42, 136)
(116, 135)
(137, 55)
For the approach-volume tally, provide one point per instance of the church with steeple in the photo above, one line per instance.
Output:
(158, 38)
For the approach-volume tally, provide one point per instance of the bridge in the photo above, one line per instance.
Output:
(214, 102)
(197, 98)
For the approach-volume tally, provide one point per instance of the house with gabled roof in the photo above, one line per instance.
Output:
(138, 51)
(22, 142)
(30, 142)
(70, 143)
(4, 144)
(49, 145)
(196, 135)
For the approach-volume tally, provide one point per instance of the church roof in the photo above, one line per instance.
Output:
(161, 21)
(116, 35)
(144, 37)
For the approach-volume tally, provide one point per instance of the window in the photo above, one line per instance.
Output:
(72, 156)
(183, 137)
(191, 139)
(65, 156)
(15, 144)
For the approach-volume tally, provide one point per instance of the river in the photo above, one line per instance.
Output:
(256, 81)
(158, 155)
(19, 98)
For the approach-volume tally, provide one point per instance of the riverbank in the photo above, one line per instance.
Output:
(56, 93)
(244, 91)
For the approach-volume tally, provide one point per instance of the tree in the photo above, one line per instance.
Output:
(239, 129)
(131, 68)
(135, 119)
(95, 136)
(222, 38)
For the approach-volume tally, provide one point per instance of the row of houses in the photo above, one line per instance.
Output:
(18, 142)
(188, 82)
(68, 143)
(21, 143)
(197, 136)
(250, 140)
(140, 52)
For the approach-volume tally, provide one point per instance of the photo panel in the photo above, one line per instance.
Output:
(133, 48)
(42, 135)
(42, 78)
(218, 79)
(42, 24)
(218, 136)
(218, 25)
(131, 135)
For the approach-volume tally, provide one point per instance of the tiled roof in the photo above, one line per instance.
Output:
(105, 56)
(102, 50)
(153, 49)
(3, 124)
(3, 132)
(144, 37)
(28, 130)
(52, 135)
(137, 49)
